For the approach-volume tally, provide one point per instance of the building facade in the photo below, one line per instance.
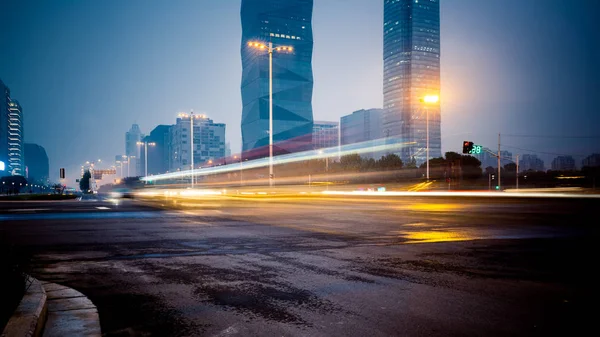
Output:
(209, 142)
(325, 134)
(16, 144)
(12, 147)
(592, 160)
(563, 163)
(132, 150)
(36, 163)
(4, 104)
(362, 126)
(282, 23)
(411, 71)
(530, 162)
(158, 152)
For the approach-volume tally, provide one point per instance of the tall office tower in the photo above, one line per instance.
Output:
(37, 164)
(158, 150)
(16, 144)
(132, 150)
(411, 71)
(4, 104)
(362, 126)
(282, 23)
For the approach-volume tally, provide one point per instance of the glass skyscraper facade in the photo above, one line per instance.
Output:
(411, 71)
(283, 23)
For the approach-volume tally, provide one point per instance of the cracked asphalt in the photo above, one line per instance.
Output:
(319, 266)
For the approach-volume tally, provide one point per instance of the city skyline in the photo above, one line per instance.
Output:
(522, 98)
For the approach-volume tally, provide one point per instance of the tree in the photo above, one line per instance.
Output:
(84, 182)
(351, 162)
(412, 164)
(510, 167)
(390, 161)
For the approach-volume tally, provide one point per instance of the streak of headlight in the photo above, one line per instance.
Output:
(378, 145)
(463, 194)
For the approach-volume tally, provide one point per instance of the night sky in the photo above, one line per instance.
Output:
(84, 71)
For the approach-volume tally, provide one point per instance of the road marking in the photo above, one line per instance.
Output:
(29, 209)
(102, 207)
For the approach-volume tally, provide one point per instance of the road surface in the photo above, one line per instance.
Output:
(319, 266)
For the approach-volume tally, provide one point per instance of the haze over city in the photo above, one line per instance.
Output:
(340, 168)
(85, 71)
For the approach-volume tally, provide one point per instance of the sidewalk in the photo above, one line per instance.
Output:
(49, 309)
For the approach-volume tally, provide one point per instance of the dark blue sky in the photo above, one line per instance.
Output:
(84, 71)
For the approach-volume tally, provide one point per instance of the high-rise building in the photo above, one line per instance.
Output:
(563, 163)
(411, 71)
(132, 149)
(592, 160)
(36, 162)
(209, 142)
(12, 156)
(325, 134)
(158, 153)
(530, 162)
(361, 126)
(282, 23)
(4, 104)
(16, 144)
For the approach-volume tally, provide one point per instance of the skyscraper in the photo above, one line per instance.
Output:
(158, 154)
(12, 153)
(132, 150)
(16, 151)
(411, 71)
(284, 23)
(4, 103)
(361, 126)
(37, 164)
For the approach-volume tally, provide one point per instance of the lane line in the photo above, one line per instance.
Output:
(28, 209)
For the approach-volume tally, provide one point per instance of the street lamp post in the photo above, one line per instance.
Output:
(145, 143)
(269, 47)
(429, 99)
(192, 147)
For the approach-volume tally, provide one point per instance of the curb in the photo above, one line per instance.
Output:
(30, 316)
(49, 309)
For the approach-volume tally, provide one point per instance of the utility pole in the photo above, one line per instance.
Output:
(499, 167)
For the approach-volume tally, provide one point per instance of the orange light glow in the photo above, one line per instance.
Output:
(431, 99)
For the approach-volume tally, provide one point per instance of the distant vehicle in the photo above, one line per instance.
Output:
(122, 193)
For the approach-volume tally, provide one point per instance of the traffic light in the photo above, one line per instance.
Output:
(467, 146)
(62, 173)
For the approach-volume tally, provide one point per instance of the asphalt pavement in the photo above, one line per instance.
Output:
(319, 266)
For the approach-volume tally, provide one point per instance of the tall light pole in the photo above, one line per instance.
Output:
(145, 143)
(429, 99)
(192, 146)
(269, 47)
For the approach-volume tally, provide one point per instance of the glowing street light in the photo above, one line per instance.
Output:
(269, 47)
(429, 99)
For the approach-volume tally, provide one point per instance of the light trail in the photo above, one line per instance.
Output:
(463, 194)
(378, 145)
